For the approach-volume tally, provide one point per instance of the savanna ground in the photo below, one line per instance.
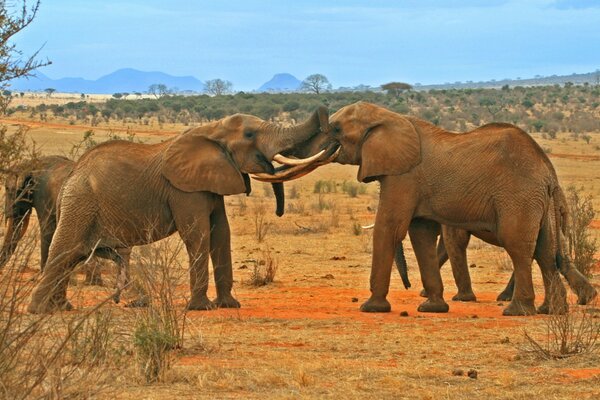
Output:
(302, 336)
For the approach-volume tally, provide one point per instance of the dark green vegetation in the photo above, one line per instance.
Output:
(550, 109)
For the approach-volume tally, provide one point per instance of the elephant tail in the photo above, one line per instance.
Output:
(561, 218)
(401, 265)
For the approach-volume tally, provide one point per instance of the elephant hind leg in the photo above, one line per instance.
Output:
(555, 295)
(51, 292)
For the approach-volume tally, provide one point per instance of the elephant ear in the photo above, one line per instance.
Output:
(389, 148)
(194, 163)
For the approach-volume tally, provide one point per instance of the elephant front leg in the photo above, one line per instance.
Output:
(381, 269)
(423, 235)
(220, 252)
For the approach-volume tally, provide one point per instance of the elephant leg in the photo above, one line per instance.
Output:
(220, 252)
(456, 242)
(396, 205)
(423, 238)
(586, 293)
(507, 293)
(51, 292)
(520, 244)
(45, 241)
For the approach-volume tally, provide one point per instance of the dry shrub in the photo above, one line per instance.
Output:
(296, 207)
(264, 269)
(159, 327)
(353, 189)
(575, 332)
(503, 261)
(262, 225)
(51, 356)
(582, 246)
(294, 193)
(356, 228)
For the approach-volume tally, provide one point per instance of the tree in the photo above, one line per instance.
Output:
(217, 87)
(49, 91)
(315, 83)
(117, 95)
(158, 90)
(395, 88)
(15, 17)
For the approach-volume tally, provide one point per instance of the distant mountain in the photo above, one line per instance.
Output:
(123, 80)
(281, 83)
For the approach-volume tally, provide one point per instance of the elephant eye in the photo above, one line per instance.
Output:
(249, 134)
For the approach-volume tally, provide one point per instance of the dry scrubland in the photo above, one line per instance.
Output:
(302, 335)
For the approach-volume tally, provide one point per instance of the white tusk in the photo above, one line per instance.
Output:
(296, 161)
(294, 172)
(368, 226)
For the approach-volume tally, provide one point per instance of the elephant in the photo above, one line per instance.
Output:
(452, 245)
(122, 194)
(494, 180)
(35, 184)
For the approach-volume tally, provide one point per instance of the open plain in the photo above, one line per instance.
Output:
(302, 336)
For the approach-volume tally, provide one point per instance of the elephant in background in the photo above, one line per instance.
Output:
(35, 184)
(494, 180)
(453, 243)
(122, 194)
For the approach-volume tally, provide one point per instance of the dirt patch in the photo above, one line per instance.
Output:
(584, 373)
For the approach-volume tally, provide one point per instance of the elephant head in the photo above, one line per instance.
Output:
(379, 141)
(218, 157)
(18, 202)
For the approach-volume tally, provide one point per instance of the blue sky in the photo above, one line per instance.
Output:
(351, 42)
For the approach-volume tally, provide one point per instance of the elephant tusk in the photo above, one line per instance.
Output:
(281, 159)
(294, 172)
(368, 226)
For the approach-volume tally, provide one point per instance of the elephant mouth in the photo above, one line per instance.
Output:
(293, 168)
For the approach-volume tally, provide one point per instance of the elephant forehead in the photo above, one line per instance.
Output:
(245, 121)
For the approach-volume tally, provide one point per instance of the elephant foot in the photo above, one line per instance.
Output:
(142, 301)
(464, 296)
(504, 296)
(520, 308)
(227, 302)
(49, 306)
(202, 304)
(376, 305)
(434, 306)
(546, 308)
(586, 294)
(423, 293)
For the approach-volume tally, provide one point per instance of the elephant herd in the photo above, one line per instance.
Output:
(494, 182)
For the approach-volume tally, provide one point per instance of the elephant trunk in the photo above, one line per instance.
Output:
(15, 229)
(279, 197)
(279, 139)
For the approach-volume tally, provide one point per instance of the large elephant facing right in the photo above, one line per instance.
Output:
(495, 179)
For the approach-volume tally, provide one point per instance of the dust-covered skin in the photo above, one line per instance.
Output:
(493, 179)
(122, 194)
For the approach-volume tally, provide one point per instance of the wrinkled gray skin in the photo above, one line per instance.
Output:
(494, 179)
(35, 184)
(123, 194)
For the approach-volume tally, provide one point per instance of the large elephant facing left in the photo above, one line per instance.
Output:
(122, 194)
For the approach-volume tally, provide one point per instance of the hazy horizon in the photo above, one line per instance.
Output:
(247, 42)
